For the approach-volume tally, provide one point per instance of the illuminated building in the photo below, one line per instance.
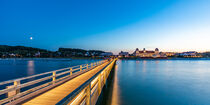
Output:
(147, 53)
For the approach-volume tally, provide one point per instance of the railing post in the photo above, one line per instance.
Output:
(88, 95)
(16, 83)
(99, 83)
(80, 67)
(87, 66)
(91, 65)
(70, 71)
(54, 77)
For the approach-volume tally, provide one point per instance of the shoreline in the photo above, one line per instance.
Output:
(54, 58)
(169, 58)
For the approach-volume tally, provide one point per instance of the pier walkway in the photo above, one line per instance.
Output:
(73, 86)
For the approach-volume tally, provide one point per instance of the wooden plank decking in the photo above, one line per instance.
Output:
(56, 94)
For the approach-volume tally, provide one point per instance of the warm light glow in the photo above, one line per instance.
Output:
(115, 93)
(30, 70)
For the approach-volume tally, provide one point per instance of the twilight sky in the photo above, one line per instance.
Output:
(110, 25)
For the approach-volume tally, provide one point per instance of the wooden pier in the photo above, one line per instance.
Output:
(74, 85)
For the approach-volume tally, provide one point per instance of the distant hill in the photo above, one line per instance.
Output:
(79, 52)
(13, 49)
(71, 50)
(22, 51)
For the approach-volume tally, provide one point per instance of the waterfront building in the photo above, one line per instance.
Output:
(123, 54)
(87, 54)
(38, 54)
(106, 54)
(189, 54)
(147, 53)
(12, 55)
(170, 54)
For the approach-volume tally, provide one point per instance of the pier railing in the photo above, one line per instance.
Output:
(33, 85)
(89, 92)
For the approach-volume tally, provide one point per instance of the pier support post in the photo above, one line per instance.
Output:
(88, 94)
(87, 66)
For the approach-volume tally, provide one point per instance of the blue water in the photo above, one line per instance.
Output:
(134, 82)
(160, 82)
(16, 68)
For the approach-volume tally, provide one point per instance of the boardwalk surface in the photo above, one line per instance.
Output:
(56, 94)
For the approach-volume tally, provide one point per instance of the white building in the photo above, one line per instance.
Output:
(147, 53)
(123, 54)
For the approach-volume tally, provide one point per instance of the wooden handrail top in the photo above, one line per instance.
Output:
(37, 75)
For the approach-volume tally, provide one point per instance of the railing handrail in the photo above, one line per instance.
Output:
(18, 85)
(36, 75)
(78, 90)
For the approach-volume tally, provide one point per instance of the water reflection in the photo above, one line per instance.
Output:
(17, 68)
(177, 82)
(30, 70)
(157, 61)
(157, 65)
(115, 92)
(144, 65)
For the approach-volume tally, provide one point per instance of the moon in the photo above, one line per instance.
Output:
(31, 38)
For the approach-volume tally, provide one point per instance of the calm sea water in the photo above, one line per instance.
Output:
(16, 68)
(159, 82)
(133, 82)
